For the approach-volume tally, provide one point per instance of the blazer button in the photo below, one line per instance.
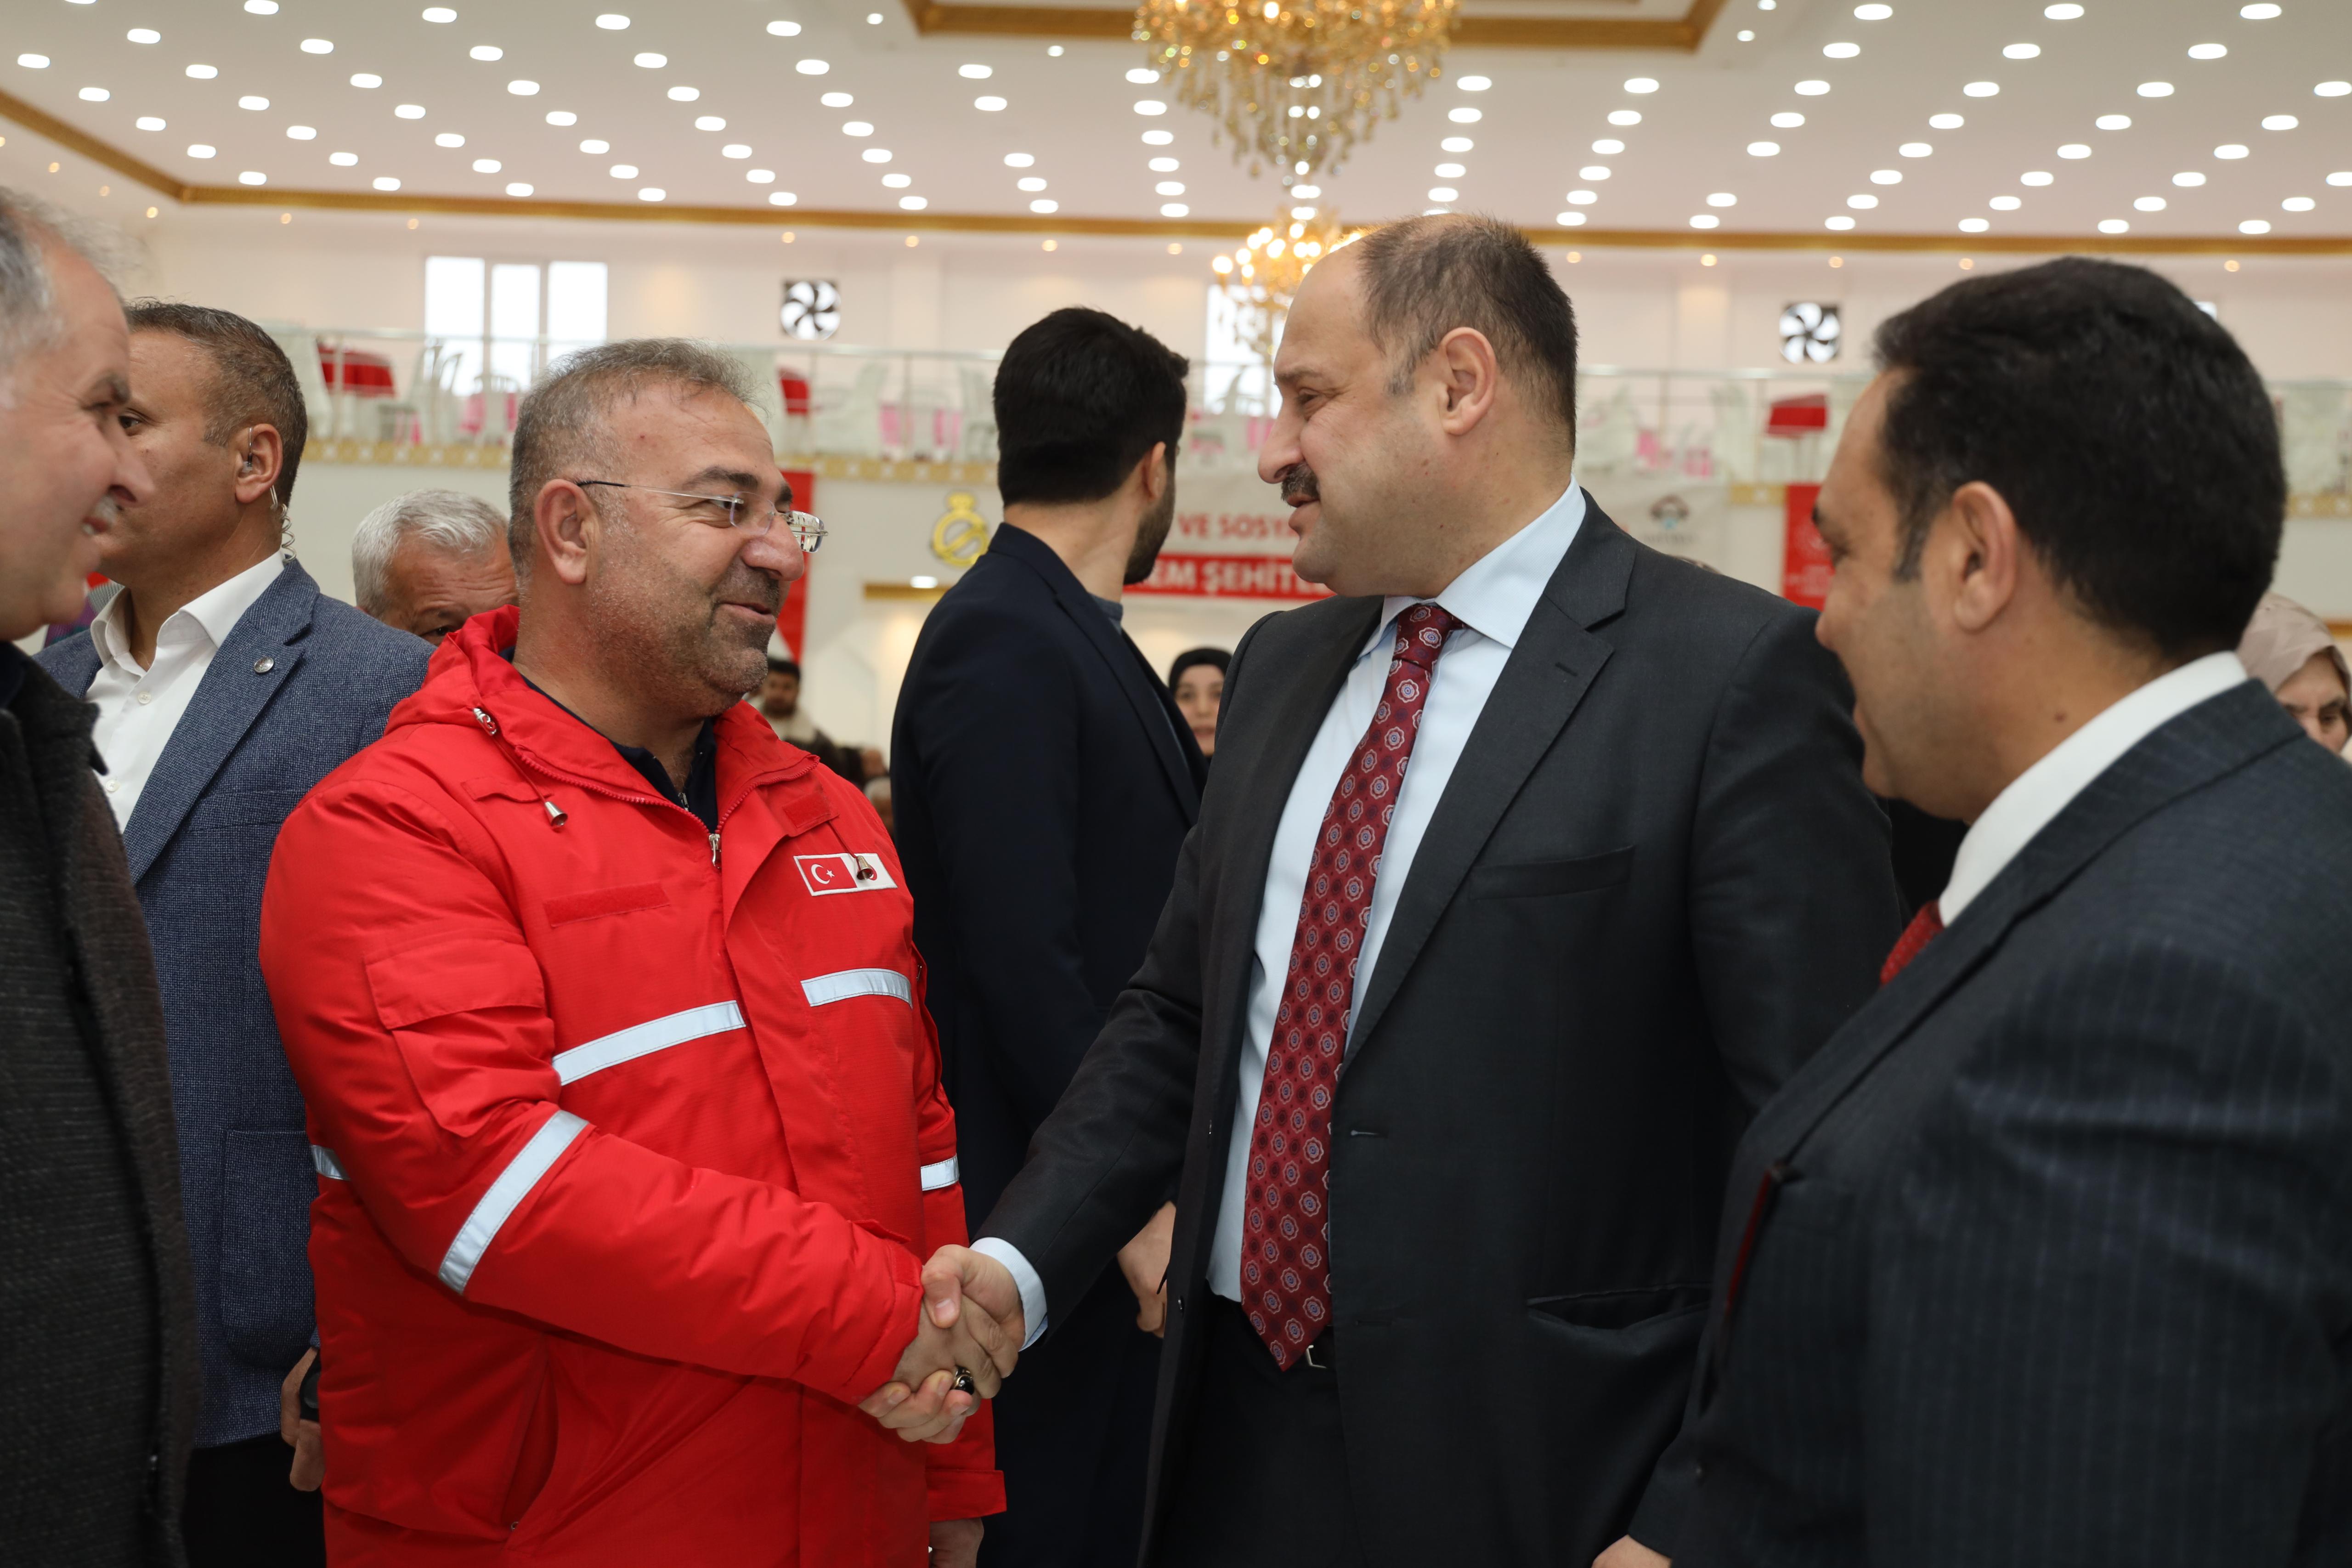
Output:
(1698, 1473)
(264, 665)
(1179, 1303)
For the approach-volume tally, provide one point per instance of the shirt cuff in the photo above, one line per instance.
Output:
(1033, 1289)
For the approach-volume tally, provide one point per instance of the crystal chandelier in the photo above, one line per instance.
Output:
(1296, 83)
(1263, 275)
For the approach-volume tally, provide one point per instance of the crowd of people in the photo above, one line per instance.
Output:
(483, 1073)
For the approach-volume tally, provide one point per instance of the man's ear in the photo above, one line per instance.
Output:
(1469, 376)
(1983, 554)
(564, 528)
(1155, 471)
(260, 452)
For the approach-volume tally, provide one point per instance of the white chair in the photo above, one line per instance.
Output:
(1736, 433)
(918, 424)
(852, 427)
(395, 417)
(979, 436)
(301, 349)
(500, 395)
(2312, 434)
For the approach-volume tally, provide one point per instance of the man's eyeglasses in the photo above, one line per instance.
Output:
(808, 529)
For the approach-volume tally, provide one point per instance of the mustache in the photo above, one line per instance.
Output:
(1299, 485)
(746, 586)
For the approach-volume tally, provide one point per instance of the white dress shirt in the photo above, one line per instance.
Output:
(1493, 598)
(139, 709)
(2035, 797)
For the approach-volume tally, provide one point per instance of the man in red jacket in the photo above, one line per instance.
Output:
(626, 1104)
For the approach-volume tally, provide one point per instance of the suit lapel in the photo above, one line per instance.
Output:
(235, 690)
(73, 664)
(1547, 674)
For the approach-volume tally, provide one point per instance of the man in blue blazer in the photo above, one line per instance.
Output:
(1044, 781)
(226, 686)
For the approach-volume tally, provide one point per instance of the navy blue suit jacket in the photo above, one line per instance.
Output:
(251, 744)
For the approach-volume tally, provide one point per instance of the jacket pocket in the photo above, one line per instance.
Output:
(463, 1067)
(1614, 1311)
(1536, 879)
(267, 1185)
(587, 906)
(246, 808)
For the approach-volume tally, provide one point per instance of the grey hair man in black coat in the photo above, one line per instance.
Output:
(98, 1364)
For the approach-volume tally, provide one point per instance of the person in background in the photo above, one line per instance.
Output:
(1045, 782)
(429, 560)
(625, 1102)
(226, 685)
(2047, 1257)
(2291, 651)
(779, 699)
(1198, 680)
(98, 1338)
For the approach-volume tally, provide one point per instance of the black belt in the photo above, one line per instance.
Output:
(1230, 1319)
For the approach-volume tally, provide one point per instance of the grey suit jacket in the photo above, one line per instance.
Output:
(1654, 885)
(2054, 1263)
(250, 746)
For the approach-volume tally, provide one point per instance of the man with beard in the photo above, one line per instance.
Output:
(1043, 782)
(624, 1101)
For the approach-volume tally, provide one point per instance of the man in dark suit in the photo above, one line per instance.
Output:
(98, 1353)
(2047, 1257)
(1440, 1307)
(1043, 782)
(225, 687)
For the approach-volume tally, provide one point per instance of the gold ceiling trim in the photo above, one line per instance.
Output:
(408, 204)
(1683, 34)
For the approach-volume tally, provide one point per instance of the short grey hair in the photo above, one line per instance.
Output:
(28, 315)
(447, 521)
(564, 420)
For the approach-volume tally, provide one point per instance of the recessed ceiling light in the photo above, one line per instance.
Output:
(1044, 205)
(1840, 223)
(2075, 150)
(684, 94)
(836, 101)
(1788, 119)
(1840, 51)
(1174, 209)
(1169, 165)
(1887, 176)
(1031, 182)
(1474, 83)
(2006, 203)
(1158, 138)
(2037, 178)
(386, 183)
(200, 150)
(252, 177)
(1457, 144)
(736, 150)
(1443, 171)
(652, 193)
(1143, 75)
(1582, 198)
(652, 61)
(2333, 89)
(1569, 220)
(2230, 150)
(486, 52)
(1642, 84)
(199, 73)
(988, 103)
(1624, 117)
(41, 63)
(2114, 225)
(1176, 188)
(811, 68)
(439, 13)
(875, 154)
(1763, 149)
(94, 95)
(1862, 203)
(708, 123)
(856, 128)
(1974, 225)
(318, 46)
(408, 111)
(448, 139)
(2113, 122)
(144, 35)
(2279, 123)
(873, 19)
(1593, 171)
(2020, 51)
(613, 22)
(1608, 146)
(595, 147)
(1946, 121)
(1723, 199)
(2156, 90)
(2188, 178)
(253, 101)
(784, 29)
(1155, 106)
(2252, 225)
(1914, 150)
(256, 8)
(302, 133)
(624, 170)
(760, 176)
(1873, 13)
(2148, 204)
(781, 198)
(2062, 13)
(1813, 88)
(343, 160)
(2298, 203)
(1029, 160)
(366, 78)
(897, 182)
(519, 188)
(2341, 177)
(1746, 34)
(2260, 12)
(1706, 220)
(2208, 51)
(1982, 89)
(487, 165)
(149, 122)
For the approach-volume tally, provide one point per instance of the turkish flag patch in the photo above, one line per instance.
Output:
(843, 873)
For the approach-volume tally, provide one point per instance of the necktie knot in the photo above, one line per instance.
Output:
(1420, 634)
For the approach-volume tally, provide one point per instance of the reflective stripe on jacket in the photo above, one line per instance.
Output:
(629, 1144)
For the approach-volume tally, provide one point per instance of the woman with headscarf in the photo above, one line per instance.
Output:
(1198, 679)
(2291, 651)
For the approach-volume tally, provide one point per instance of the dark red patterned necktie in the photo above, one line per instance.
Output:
(1925, 927)
(1286, 1252)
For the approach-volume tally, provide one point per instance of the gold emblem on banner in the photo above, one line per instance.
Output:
(960, 536)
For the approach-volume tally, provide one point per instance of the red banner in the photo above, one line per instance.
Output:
(791, 616)
(1805, 562)
(1228, 577)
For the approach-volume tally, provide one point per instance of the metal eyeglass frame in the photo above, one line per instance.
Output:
(808, 529)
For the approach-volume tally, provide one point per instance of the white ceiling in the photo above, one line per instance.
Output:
(1075, 112)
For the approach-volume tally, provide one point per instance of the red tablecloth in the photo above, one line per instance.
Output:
(360, 374)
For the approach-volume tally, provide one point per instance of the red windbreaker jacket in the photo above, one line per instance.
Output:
(630, 1138)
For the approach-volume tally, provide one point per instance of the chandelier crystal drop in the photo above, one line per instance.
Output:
(1296, 83)
(1263, 275)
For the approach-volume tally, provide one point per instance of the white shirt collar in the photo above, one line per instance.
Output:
(213, 612)
(1495, 594)
(2035, 797)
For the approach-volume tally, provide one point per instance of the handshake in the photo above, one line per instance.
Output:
(968, 1334)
